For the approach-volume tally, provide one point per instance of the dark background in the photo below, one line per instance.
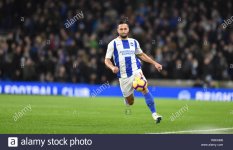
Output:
(186, 36)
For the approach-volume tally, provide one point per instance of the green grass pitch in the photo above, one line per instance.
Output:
(108, 115)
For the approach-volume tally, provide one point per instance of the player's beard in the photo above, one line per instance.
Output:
(124, 36)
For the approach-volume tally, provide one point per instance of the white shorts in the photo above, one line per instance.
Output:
(126, 84)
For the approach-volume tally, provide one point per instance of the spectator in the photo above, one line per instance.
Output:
(185, 36)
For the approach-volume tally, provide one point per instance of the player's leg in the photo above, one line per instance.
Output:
(129, 100)
(127, 90)
(151, 105)
(149, 99)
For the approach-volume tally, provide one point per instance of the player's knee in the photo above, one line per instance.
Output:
(145, 91)
(131, 102)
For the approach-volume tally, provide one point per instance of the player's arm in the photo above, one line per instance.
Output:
(146, 58)
(109, 64)
(108, 57)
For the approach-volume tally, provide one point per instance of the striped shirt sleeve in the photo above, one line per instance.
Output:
(110, 50)
(138, 48)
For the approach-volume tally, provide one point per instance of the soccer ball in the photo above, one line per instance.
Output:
(139, 84)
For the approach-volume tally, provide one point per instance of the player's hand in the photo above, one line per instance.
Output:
(158, 67)
(115, 69)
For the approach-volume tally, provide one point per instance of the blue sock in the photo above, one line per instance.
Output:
(150, 102)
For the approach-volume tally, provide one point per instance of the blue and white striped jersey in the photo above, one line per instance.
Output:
(124, 55)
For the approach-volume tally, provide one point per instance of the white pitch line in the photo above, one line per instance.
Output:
(191, 131)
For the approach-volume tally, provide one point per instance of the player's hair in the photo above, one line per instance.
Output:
(123, 20)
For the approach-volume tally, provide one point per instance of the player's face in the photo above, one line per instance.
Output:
(123, 30)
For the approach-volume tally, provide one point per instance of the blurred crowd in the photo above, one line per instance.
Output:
(185, 36)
